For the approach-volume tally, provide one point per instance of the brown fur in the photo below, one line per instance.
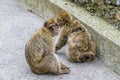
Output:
(80, 46)
(65, 21)
(40, 52)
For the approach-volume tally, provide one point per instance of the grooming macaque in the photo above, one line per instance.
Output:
(64, 19)
(40, 51)
(80, 46)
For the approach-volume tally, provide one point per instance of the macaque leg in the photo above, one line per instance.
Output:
(64, 66)
(56, 67)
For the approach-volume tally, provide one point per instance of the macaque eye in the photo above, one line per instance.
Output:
(66, 20)
(58, 20)
(57, 25)
(79, 28)
(51, 28)
(73, 30)
(63, 19)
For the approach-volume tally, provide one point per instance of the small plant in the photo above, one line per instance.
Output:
(109, 10)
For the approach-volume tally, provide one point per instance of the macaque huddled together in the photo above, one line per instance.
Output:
(40, 51)
(80, 47)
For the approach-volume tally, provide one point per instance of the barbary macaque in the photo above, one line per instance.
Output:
(64, 19)
(40, 51)
(80, 46)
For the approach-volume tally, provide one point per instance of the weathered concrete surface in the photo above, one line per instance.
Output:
(16, 26)
(106, 37)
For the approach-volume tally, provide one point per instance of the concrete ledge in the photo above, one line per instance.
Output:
(106, 37)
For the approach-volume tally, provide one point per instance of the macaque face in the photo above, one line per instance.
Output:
(64, 18)
(54, 29)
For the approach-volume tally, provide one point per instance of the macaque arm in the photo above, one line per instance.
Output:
(62, 40)
(93, 47)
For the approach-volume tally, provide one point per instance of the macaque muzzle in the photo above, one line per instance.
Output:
(54, 28)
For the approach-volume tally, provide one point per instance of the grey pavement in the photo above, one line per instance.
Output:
(16, 26)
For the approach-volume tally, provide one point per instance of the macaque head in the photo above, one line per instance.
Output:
(52, 26)
(63, 18)
(87, 56)
(78, 26)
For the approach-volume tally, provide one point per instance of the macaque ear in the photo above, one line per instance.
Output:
(45, 24)
(48, 22)
(60, 14)
(76, 23)
(70, 17)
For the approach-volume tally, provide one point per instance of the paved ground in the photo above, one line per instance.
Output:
(16, 26)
